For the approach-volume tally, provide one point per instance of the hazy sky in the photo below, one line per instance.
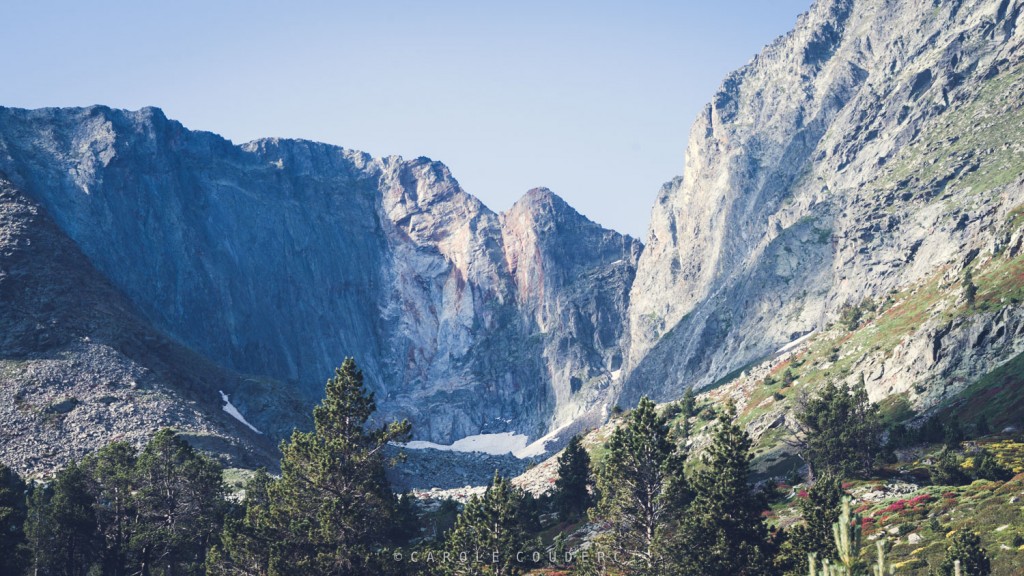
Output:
(592, 99)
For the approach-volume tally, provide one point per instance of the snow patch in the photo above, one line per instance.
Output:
(539, 447)
(796, 342)
(616, 374)
(494, 444)
(230, 409)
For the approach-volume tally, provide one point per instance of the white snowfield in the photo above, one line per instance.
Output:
(494, 444)
(230, 409)
(796, 342)
(501, 443)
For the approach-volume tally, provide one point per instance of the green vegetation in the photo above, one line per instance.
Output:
(723, 531)
(14, 551)
(966, 556)
(122, 512)
(813, 538)
(573, 486)
(643, 491)
(491, 527)
(839, 431)
(332, 508)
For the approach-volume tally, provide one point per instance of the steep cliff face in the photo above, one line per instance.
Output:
(875, 147)
(281, 257)
(572, 279)
(80, 367)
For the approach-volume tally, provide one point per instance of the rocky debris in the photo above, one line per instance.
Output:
(430, 500)
(424, 469)
(80, 369)
(888, 491)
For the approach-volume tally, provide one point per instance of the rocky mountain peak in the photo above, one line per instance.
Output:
(280, 257)
(809, 182)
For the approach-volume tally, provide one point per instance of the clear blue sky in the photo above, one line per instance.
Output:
(592, 99)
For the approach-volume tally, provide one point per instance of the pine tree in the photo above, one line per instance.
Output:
(248, 542)
(970, 289)
(724, 533)
(14, 553)
(643, 491)
(986, 467)
(981, 426)
(332, 506)
(947, 469)
(839, 431)
(405, 524)
(688, 404)
(572, 487)
(111, 471)
(966, 548)
(953, 433)
(488, 537)
(820, 510)
(61, 526)
(180, 505)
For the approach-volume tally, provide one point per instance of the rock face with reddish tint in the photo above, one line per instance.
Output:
(279, 258)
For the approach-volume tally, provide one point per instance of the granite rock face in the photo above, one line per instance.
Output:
(873, 147)
(281, 257)
(81, 367)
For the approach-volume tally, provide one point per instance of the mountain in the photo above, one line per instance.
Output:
(866, 159)
(81, 367)
(840, 194)
(279, 258)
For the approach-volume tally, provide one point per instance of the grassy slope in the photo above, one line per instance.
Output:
(918, 525)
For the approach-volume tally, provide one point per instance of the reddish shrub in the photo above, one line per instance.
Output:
(922, 499)
(896, 506)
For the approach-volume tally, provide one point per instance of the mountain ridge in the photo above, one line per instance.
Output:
(279, 257)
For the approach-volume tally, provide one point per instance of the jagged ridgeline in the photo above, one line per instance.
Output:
(859, 166)
(840, 187)
(274, 259)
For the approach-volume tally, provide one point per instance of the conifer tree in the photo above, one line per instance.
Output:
(405, 524)
(820, 510)
(643, 491)
(488, 537)
(947, 469)
(839, 431)
(179, 502)
(723, 533)
(248, 542)
(332, 506)
(572, 487)
(688, 404)
(61, 526)
(966, 548)
(986, 467)
(111, 473)
(14, 553)
(970, 289)
(981, 426)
